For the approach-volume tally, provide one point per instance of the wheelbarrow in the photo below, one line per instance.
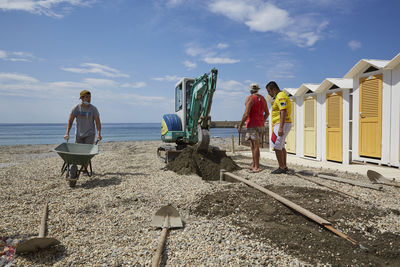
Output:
(76, 157)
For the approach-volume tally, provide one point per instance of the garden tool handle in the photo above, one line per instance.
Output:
(157, 256)
(42, 229)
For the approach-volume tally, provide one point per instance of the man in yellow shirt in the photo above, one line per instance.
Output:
(281, 124)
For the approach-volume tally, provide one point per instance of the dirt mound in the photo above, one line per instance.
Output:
(206, 164)
(264, 218)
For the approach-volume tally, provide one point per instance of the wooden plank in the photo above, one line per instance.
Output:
(352, 182)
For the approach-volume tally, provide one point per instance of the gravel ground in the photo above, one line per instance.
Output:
(105, 220)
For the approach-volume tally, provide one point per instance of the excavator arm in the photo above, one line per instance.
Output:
(198, 112)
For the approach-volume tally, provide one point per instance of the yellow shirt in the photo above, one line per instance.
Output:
(282, 101)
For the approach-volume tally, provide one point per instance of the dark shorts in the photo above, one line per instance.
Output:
(85, 140)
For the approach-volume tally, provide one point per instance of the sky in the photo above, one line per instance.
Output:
(131, 53)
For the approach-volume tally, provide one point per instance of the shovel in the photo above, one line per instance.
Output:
(378, 178)
(165, 218)
(40, 242)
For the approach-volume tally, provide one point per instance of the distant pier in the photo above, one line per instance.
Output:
(224, 124)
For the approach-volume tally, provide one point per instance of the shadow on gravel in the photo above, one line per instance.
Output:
(262, 166)
(101, 182)
(46, 257)
(267, 219)
(120, 174)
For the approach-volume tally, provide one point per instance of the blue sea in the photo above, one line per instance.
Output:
(53, 133)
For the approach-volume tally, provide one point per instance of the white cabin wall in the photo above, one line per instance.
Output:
(320, 126)
(300, 126)
(386, 115)
(355, 115)
(323, 124)
(395, 121)
(346, 127)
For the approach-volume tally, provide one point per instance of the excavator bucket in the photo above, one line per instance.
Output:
(203, 139)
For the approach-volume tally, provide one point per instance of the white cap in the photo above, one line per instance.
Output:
(254, 87)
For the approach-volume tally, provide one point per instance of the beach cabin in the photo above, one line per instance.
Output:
(371, 111)
(308, 116)
(394, 66)
(336, 119)
(291, 138)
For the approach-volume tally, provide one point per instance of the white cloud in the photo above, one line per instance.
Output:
(237, 10)
(173, 3)
(66, 84)
(222, 46)
(268, 18)
(42, 7)
(220, 60)
(281, 70)
(263, 16)
(16, 56)
(194, 50)
(3, 54)
(15, 77)
(100, 82)
(257, 15)
(168, 78)
(97, 69)
(353, 44)
(208, 55)
(15, 84)
(231, 85)
(134, 85)
(190, 65)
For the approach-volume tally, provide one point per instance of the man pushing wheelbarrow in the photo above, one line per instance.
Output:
(86, 115)
(80, 153)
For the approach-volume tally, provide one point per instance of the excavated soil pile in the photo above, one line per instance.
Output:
(205, 164)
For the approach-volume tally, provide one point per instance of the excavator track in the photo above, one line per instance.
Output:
(167, 153)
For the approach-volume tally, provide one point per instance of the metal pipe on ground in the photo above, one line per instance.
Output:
(324, 185)
(352, 182)
(292, 205)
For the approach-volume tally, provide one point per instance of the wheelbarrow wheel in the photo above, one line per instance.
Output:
(72, 175)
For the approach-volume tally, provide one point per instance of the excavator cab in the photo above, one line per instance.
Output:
(174, 126)
(190, 123)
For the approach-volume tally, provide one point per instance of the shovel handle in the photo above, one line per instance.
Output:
(157, 256)
(42, 229)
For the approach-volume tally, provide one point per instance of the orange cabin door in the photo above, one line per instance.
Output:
(334, 127)
(310, 127)
(291, 138)
(370, 123)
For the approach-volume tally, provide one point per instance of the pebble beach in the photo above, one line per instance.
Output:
(106, 219)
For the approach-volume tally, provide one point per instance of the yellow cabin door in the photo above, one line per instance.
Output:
(370, 123)
(334, 127)
(291, 137)
(310, 127)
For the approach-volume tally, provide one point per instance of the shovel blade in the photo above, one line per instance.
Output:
(35, 244)
(374, 176)
(167, 216)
